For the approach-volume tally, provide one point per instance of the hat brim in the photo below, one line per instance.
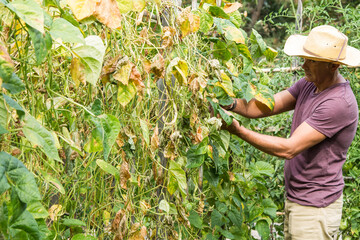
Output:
(294, 47)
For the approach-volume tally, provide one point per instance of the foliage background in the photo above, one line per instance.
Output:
(140, 182)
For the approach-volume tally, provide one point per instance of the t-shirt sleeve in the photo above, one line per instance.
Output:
(296, 88)
(328, 118)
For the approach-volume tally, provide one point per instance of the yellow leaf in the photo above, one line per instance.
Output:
(108, 13)
(232, 7)
(77, 72)
(125, 5)
(259, 95)
(234, 34)
(123, 74)
(194, 22)
(137, 232)
(138, 5)
(54, 212)
(167, 37)
(226, 84)
(82, 8)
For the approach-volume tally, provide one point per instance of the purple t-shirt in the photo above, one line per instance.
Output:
(314, 176)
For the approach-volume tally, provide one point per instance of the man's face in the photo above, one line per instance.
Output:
(316, 71)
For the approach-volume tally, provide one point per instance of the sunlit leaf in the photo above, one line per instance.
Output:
(30, 12)
(261, 93)
(270, 54)
(234, 34)
(82, 8)
(188, 22)
(179, 68)
(232, 7)
(139, 5)
(261, 168)
(178, 173)
(108, 13)
(92, 56)
(125, 5)
(37, 210)
(40, 136)
(126, 93)
(94, 144)
(206, 22)
(109, 128)
(226, 84)
(65, 31)
(81, 236)
(123, 74)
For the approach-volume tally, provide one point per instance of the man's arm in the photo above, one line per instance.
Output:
(302, 138)
(284, 101)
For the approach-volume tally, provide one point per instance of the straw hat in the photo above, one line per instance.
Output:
(324, 43)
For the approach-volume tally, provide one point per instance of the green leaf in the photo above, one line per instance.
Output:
(255, 212)
(206, 22)
(244, 51)
(226, 84)
(37, 210)
(236, 19)
(218, 12)
(227, 118)
(26, 223)
(217, 219)
(4, 215)
(92, 55)
(261, 168)
(178, 173)
(81, 236)
(42, 43)
(195, 219)
(269, 207)
(38, 135)
(263, 228)
(256, 39)
(3, 117)
(94, 144)
(221, 52)
(196, 154)
(270, 54)
(71, 222)
(110, 126)
(53, 181)
(236, 217)
(52, 3)
(30, 12)
(126, 93)
(13, 84)
(12, 103)
(67, 32)
(108, 168)
(166, 207)
(23, 181)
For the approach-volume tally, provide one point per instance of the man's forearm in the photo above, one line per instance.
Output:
(269, 144)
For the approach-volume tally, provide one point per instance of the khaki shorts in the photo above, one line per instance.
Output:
(312, 223)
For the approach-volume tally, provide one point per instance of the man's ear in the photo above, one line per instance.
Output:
(333, 66)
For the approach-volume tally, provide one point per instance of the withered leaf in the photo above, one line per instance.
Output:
(108, 13)
(137, 232)
(77, 71)
(119, 226)
(232, 7)
(158, 66)
(124, 174)
(155, 142)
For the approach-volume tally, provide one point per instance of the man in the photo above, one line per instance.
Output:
(324, 124)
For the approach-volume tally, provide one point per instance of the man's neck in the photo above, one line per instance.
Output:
(330, 81)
